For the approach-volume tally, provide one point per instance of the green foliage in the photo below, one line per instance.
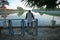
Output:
(21, 11)
(5, 2)
(2, 12)
(50, 4)
(52, 14)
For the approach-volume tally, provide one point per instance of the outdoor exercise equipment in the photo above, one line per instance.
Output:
(22, 27)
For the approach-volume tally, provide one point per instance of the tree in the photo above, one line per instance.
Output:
(3, 9)
(20, 10)
(58, 4)
(50, 4)
(3, 2)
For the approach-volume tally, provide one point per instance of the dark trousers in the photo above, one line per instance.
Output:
(29, 25)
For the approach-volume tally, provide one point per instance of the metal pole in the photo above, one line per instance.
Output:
(10, 27)
(23, 28)
(0, 30)
(36, 32)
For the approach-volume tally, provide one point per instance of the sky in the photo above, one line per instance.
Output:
(13, 4)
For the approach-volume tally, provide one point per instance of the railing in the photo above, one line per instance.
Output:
(23, 24)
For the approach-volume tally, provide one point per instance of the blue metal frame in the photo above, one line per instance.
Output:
(10, 27)
(36, 29)
(23, 28)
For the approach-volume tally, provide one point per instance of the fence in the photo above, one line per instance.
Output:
(22, 25)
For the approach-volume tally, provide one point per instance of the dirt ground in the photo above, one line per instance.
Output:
(43, 34)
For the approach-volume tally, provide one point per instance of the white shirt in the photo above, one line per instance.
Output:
(29, 17)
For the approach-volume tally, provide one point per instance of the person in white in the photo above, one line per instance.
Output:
(29, 18)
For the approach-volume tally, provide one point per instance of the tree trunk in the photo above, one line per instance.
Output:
(5, 22)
